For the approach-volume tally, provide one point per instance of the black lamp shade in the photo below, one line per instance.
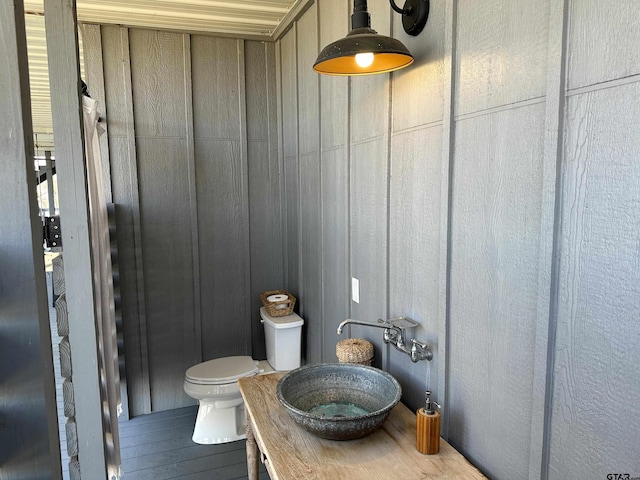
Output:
(339, 58)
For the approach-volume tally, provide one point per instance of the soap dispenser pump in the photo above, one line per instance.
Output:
(428, 427)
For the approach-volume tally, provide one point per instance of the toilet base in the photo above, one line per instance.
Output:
(221, 414)
(220, 422)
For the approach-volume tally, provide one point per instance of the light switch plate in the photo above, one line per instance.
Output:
(355, 289)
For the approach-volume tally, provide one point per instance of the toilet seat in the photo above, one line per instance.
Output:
(222, 370)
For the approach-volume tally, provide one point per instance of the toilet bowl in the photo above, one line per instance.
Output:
(214, 383)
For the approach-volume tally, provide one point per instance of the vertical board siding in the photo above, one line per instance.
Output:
(502, 53)
(369, 203)
(157, 73)
(335, 241)
(289, 94)
(549, 226)
(415, 196)
(309, 137)
(264, 182)
(334, 166)
(215, 64)
(495, 232)
(224, 265)
(291, 191)
(164, 199)
(310, 184)
(412, 107)
(469, 213)
(446, 160)
(599, 275)
(311, 241)
(414, 253)
(192, 137)
(124, 181)
(369, 176)
(595, 420)
(190, 154)
(369, 108)
(220, 178)
(610, 35)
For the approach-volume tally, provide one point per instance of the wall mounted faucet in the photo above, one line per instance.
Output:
(394, 334)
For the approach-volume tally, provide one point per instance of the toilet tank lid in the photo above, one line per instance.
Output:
(222, 370)
(286, 321)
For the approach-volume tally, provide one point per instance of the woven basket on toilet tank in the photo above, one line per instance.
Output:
(278, 308)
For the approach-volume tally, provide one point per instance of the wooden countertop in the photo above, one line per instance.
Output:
(388, 453)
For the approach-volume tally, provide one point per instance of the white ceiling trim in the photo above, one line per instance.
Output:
(248, 17)
(265, 20)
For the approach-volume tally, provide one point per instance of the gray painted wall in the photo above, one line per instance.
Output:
(378, 206)
(596, 417)
(195, 177)
(491, 192)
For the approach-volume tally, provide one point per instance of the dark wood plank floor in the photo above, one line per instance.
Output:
(159, 446)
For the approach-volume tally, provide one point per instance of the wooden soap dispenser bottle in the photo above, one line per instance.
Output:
(428, 427)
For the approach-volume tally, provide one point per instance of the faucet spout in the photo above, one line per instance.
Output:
(378, 324)
(393, 334)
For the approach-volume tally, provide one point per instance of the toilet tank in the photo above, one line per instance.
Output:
(283, 338)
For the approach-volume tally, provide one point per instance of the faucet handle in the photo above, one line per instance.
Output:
(424, 352)
(422, 345)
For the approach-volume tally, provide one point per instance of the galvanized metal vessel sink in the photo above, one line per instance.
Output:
(338, 401)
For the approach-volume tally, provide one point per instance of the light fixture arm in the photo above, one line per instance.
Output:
(360, 17)
(414, 15)
(399, 10)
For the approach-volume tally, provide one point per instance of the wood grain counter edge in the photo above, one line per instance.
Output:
(288, 447)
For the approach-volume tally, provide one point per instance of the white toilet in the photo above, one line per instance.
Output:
(214, 383)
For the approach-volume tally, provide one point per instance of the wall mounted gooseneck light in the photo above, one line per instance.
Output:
(363, 51)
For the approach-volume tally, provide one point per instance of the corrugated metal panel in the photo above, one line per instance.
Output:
(249, 19)
(38, 73)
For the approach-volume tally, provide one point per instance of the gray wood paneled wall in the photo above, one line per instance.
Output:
(195, 176)
(491, 192)
(359, 200)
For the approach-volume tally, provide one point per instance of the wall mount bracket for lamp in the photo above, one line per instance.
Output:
(414, 15)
